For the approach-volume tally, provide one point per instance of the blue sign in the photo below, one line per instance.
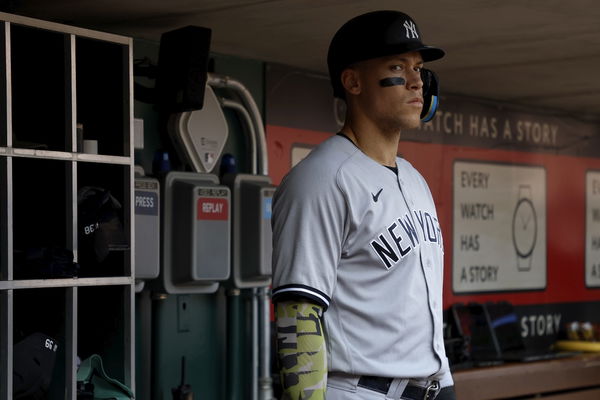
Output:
(267, 204)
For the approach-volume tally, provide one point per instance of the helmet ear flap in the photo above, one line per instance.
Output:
(431, 93)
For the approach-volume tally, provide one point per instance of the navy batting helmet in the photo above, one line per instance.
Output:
(372, 35)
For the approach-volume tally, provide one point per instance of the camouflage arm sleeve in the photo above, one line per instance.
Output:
(301, 350)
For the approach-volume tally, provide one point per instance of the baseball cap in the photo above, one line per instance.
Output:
(372, 35)
(100, 226)
(33, 366)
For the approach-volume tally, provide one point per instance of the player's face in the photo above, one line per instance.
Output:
(392, 91)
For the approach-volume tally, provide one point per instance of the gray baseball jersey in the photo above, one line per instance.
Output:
(366, 244)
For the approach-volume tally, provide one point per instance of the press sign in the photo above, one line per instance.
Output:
(146, 203)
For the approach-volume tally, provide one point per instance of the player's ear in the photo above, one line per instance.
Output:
(350, 81)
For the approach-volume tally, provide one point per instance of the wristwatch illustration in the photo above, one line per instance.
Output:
(524, 228)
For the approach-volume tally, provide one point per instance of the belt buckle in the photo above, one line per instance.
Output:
(431, 391)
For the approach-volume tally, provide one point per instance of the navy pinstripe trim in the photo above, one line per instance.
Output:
(282, 292)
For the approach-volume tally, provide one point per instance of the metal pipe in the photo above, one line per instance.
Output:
(241, 110)
(221, 81)
(145, 313)
(255, 343)
(261, 338)
(265, 381)
(234, 347)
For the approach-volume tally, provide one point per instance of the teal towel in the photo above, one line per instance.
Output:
(91, 370)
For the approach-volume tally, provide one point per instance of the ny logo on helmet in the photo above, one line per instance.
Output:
(411, 30)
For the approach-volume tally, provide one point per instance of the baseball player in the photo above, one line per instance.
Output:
(357, 246)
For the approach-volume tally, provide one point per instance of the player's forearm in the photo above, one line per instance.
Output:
(301, 350)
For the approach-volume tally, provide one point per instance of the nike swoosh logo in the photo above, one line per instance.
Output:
(376, 196)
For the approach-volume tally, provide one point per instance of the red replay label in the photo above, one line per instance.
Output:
(213, 208)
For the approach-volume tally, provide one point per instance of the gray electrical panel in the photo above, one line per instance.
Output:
(252, 235)
(196, 234)
(147, 228)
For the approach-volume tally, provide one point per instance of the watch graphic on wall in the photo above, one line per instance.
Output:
(524, 228)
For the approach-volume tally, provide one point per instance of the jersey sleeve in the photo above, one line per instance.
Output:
(308, 230)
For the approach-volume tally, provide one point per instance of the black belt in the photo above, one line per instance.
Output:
(413, 392)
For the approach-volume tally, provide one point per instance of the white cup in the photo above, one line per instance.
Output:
(90, 146)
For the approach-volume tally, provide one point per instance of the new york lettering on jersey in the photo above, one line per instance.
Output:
(401, 236)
